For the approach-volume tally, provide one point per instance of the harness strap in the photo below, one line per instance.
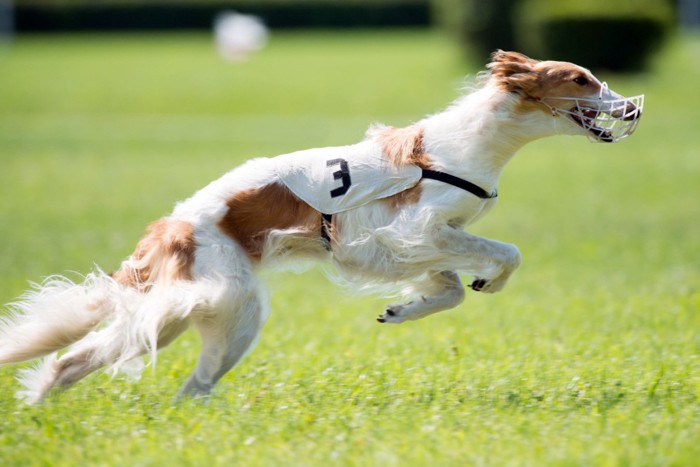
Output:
(476, 190)
(459, 183)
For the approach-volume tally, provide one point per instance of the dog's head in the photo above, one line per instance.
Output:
(569, 91)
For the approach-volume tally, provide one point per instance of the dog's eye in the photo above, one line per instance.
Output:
(581, 80)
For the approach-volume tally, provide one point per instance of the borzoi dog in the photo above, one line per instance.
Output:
(389, 210)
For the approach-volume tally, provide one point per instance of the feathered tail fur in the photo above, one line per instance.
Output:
(54, 315)
(107, 320)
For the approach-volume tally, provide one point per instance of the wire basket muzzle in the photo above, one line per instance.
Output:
(608, 120)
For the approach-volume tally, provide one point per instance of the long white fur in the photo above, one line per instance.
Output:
(417, 250)
(55, 313)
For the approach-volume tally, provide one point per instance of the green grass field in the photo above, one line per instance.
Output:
(591, 355)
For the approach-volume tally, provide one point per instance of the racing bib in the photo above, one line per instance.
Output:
(337, 179)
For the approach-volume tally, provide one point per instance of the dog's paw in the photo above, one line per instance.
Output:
(394, 314)
(487, 285)
(479, 285)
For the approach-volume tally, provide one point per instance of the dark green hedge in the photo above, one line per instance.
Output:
(77, 15)
(616, 44)
(612, 34)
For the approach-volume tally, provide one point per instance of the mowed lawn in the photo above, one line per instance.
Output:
(590, 356)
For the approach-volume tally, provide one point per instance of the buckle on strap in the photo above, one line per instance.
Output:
(326, 223)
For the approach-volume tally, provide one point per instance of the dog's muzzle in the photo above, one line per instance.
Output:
(609, 117)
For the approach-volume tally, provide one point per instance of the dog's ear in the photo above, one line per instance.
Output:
(513, 71)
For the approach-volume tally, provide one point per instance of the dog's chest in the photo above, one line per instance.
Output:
(454, 205)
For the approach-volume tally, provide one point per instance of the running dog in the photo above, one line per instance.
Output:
(388, 212)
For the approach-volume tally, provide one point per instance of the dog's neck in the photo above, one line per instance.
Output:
(479, 133)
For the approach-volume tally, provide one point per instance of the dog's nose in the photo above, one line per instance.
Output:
(631, 112)
(628, 113)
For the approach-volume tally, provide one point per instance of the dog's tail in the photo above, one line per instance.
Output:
(110, 318)
(55, 314)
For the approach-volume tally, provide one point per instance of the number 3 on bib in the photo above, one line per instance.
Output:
(343, 174)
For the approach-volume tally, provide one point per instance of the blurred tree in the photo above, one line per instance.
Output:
(481, 26)
(7, 20)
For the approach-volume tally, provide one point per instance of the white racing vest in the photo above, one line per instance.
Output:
(337, 179)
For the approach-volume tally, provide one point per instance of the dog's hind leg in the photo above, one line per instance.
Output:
(51, 372)
(229, 330)
(444, 291)
(93, 352)
(55, 373)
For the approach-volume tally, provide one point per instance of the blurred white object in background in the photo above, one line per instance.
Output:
(238, 36)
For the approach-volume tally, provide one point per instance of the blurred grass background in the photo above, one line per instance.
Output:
(589, 357)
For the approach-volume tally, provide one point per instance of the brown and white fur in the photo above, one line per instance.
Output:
(198, 266)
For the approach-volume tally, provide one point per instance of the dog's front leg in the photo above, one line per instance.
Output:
(492, 262)
(451, 249)
(445, 292)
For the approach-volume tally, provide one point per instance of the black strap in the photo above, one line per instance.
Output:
(327, 219)
(459, 183)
